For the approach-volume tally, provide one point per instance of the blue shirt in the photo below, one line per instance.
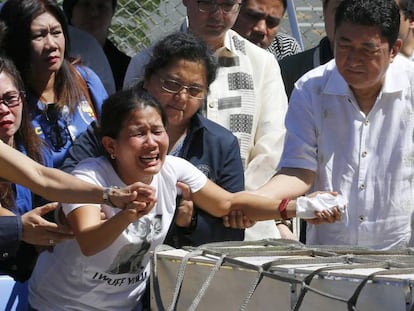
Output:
(215, 151)
(25, 200)
(60, 128)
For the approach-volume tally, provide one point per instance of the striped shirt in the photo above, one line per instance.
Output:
(284, 45)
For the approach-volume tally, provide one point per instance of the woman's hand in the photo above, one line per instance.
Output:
(135, 210)
(185, 209)
(237, 220)
(132, 195)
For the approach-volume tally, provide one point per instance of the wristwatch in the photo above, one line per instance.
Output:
(286, 222)
(105, 196)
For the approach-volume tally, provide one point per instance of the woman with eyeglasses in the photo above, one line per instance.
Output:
(17, 132)
(63, 97)
(17, 200)
(178, 76)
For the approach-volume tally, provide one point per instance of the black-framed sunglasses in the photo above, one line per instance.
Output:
(175, 87)
(56, 130)
(211, 6)
(58, 136)
(12, 99)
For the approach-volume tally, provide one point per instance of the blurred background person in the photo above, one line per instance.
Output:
(95, 16)
(259, 22)
(84, 46)
(63, 98)
(293, 67)
(407, 27)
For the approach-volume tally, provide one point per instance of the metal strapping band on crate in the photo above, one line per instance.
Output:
(157, 290)
(273, 264)
(353, 300)
(206, 284)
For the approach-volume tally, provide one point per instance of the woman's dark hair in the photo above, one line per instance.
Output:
(25, 136)
(18, 16)
(179, 46)
(117, 108)
(383, 14)
(68, 6)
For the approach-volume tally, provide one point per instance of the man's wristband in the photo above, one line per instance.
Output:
(106, 195)
(283, 209)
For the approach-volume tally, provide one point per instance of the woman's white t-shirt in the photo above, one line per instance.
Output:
(115, 278)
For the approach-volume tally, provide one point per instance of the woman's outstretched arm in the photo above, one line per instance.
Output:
(219, 202)
(56, 185)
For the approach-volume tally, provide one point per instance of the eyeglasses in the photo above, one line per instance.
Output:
(173, 86)
(210, 6)
(12, 99)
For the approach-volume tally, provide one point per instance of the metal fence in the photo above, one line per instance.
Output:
(138, 23)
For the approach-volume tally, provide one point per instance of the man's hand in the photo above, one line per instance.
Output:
(325, 206)
(326, 216)
(39, 231)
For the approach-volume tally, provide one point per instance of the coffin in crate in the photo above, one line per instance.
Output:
(281, 275)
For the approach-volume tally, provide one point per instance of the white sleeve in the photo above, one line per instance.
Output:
(300, 148)
(188, 174)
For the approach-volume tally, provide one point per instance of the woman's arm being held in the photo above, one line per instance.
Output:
(55, 185)
(219, 202)
(93, 235)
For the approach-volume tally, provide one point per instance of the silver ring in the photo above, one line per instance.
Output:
(51, 242)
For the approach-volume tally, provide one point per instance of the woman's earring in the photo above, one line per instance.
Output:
(113, 156)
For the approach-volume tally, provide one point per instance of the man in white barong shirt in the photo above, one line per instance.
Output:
(350, 128)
